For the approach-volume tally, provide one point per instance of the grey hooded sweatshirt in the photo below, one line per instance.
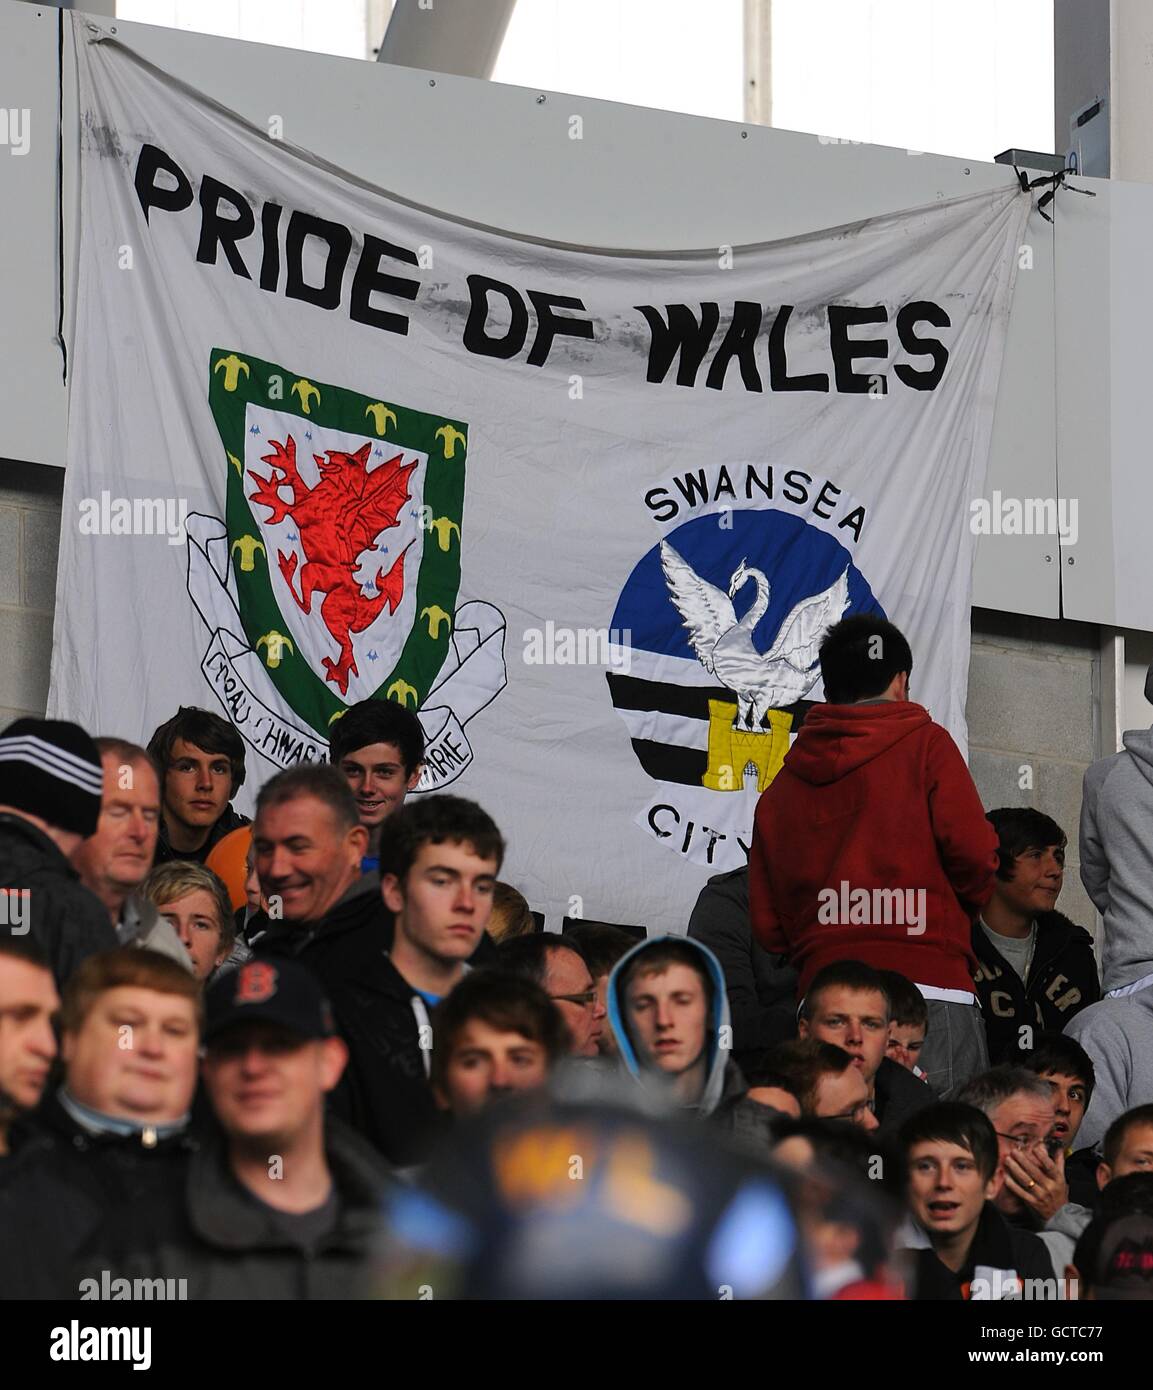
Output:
(724, 1102)
(1117, 857)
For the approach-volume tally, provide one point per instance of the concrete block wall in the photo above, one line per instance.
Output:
(1033, 724)
(1032, 682)
(29, 539)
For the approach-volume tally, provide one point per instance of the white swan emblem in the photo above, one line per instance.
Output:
(760, 680)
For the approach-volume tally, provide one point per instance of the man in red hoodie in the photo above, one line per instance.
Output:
(871, 844)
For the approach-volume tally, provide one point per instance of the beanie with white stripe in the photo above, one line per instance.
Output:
(52, 769)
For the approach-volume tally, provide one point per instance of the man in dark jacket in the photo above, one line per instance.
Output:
(201, 760)
(761, 987)
(439, 860)
(965, 1247)
(871, 844)
(379, 746)
(285, 1203)
(1034, 1195)
(51, 781)
(1036, 968)
(116, 1131)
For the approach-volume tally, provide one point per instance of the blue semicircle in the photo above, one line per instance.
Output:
(799, 561)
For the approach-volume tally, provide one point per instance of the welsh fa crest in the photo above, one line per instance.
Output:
(343, 558)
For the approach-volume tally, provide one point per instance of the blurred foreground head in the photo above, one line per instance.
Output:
(591, 1202)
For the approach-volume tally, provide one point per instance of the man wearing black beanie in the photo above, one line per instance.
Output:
(51, 781)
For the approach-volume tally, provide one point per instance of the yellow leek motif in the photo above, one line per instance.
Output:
(340, 713)
(380, 415)
(436, 616)
(449, 434)
(306, 391)
(248, 546)
(276, 643)
(233, 366)
(444, 527)
(401, 690)
(232, 459)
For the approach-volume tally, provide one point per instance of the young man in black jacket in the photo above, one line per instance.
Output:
(439, 860)
(378, 746)
(117, 1130)
(201, 761)
(1036, 968)
(964, 1246)
(51, 785)
(284, 1203)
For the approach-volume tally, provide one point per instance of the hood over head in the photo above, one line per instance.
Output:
(1139, 745)
(718, 1035)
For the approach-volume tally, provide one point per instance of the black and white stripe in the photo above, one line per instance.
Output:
(57, 762)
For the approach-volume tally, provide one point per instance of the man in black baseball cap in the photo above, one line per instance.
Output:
(285, 1204)
(51, 781)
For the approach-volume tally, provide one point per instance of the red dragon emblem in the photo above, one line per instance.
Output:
(336, 520)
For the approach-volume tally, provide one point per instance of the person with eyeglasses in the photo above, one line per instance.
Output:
(960, 1243)
(556, 964)
(1035, 1194)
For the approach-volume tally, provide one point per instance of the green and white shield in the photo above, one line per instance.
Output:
(344, 516)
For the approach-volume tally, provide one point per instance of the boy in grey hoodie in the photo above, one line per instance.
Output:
(670, 1014)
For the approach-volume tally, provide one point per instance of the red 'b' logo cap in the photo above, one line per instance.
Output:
(255, 983)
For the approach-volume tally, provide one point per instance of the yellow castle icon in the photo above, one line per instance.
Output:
(732, 750)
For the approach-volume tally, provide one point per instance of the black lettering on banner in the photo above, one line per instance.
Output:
(549, 325)
(217, 230)
(150, 162)
(370, 279)
(829, 501)
(738, 342)
(657, 498)
(338, 239)
(846, 350)
(922, 311)
(779, 378)
(693, 488)
(270, 231)
(453, 751)
(684, 334)
(802, 493)
(476, 338)
(854, 521)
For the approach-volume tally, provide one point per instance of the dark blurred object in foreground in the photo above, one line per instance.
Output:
(591, 1202)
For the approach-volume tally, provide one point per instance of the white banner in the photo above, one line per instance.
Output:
(590, 511)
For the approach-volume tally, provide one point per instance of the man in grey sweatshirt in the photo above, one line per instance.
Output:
(1118, 1036)
(1117, 860)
